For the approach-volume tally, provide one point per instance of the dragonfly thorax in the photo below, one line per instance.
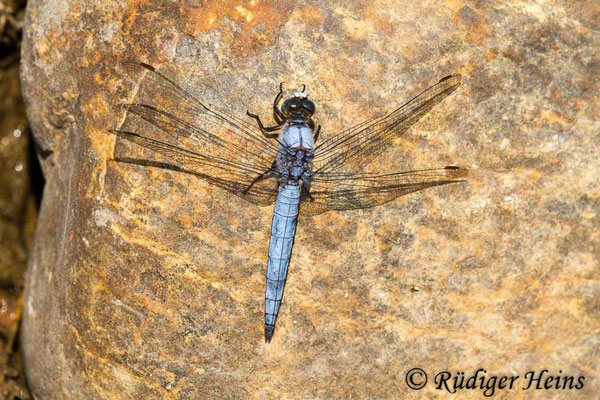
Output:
(295, 153)
(297, 137)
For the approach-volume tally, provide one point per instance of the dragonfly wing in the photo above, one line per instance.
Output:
(260, 189)
(351, 150)
(331, 191)
(187, 135)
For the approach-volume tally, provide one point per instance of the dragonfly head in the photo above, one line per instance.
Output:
(298, 106)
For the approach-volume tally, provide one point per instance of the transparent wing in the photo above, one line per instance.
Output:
(333, 191)
(351, 150)
(223, 173)
(187, 135)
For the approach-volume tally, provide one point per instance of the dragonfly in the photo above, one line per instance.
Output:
(284, 164)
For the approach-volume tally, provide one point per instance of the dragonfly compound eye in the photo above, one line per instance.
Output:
(309, 106)
(290, 105)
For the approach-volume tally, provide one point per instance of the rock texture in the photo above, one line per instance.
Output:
(147, 283)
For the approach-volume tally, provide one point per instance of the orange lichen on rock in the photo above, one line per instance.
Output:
(257, 21)
(310, 15)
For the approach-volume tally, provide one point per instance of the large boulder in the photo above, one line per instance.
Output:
(149, 283)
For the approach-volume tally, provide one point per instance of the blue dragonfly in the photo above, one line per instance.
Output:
(283, 164)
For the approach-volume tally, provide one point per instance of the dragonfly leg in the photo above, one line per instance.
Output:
(277, 114)
(265, 129)
(262, 176)
(316, 135)
(277, 118)
(306, 192)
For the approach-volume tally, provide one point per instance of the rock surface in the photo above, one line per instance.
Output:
(147, 283)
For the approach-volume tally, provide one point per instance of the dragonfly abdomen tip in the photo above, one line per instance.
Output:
(269, 329)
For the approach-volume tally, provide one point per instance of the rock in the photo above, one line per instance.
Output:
(148, 283)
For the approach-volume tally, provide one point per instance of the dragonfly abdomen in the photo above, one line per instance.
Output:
(283, 230)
